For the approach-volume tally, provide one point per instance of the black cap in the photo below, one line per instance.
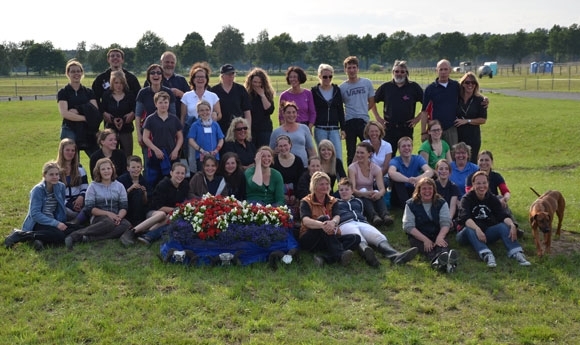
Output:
(227, 68)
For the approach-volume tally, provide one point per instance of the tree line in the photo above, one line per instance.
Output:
(559, 44)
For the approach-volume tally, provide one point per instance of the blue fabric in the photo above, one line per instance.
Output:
(38, 196)
(250, 252)
(500, 231)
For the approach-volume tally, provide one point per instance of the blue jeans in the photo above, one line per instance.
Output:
(332, 135)
(492, 234)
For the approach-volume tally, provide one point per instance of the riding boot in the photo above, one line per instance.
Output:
(368, 254)
(18, 236)
(395, 256)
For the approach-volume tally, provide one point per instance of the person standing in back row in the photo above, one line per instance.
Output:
(234, 99)
(358, 96)
(115, 58)
(400, 96)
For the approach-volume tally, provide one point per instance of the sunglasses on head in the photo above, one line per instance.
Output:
(239, 129)
(327, 77)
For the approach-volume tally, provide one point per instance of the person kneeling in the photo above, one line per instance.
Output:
(352, 221)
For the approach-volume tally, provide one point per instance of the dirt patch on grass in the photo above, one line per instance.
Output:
(569, 243)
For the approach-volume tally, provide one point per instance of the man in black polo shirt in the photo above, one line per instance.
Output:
(400, 96)
(234, 99)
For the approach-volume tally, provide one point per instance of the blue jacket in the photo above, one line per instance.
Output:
(351, 210)
(38, 200)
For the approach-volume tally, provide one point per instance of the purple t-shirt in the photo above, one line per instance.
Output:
(304, 102)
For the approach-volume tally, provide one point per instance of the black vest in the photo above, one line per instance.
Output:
(428, 226)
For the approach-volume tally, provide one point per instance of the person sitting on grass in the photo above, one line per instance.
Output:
(486, 221)
(74, 177)
(135, 185)
(426, 221)
(352, 221)
(107, 140)
(206, 180)
(319, 230)
(106, 201)
(168, 193)
(45, 221)
(405, 171)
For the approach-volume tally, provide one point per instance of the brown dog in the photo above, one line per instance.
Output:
(541, 216)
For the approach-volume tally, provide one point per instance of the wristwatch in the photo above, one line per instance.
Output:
(468, 120)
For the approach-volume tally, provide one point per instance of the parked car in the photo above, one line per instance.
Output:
(485, 70)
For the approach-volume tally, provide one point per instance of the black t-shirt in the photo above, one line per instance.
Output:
(232, 104)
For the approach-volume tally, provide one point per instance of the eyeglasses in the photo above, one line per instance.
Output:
(239, 129)
(327, 77)
(469, 82)
(199, 77)
(155, 72)
(400, 72)
(435, 130)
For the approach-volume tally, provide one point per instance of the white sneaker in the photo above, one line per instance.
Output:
(452, 261)
(489, 259)
(521, 259)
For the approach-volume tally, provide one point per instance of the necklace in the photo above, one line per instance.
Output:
(464, 109)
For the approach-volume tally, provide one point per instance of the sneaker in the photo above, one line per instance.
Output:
(441, 262)
(489, 259)
(370, 257)
(346, 257)
(38, 245)
(521, 259)
(406, 256)
(69, 243)
(452, 261)
(318, 261)
(128, 238)
(144, 240)
(520, 234)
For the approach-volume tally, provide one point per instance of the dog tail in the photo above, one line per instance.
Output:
(533, 190)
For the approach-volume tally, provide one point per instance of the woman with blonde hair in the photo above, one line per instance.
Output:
(331, 164)
(471, 113)
(261, 95)
(426, 221)
(239, 141)
(118, 108)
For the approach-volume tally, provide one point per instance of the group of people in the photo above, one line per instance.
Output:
(198, 139)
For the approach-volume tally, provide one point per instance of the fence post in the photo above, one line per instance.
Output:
(15, 88)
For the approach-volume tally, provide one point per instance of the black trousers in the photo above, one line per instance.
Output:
(333, 246)
(353, 129)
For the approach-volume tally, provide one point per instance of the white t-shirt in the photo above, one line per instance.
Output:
(190, 99)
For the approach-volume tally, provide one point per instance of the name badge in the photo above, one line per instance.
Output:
(207, 130)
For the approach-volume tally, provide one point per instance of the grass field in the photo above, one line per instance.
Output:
(102, 293)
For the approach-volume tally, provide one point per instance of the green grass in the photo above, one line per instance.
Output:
(102, 293)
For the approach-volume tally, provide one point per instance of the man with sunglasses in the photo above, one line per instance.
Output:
(234, 99)
(400, 96)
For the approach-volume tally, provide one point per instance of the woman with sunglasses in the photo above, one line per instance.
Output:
(238, 141)
(329, 122)
(471, 113)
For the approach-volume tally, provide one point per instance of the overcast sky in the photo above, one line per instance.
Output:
(66, 23)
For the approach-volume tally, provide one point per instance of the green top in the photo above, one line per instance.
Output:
(272, 194)
(433, 158)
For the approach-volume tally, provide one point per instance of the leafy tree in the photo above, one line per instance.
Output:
(324, 49)
(81, 52)
(396, 46)
(289, 51)
(538, 42)
(368, 49)
(228, 45)
(380, 39)
(453, 46)
(148, 49)
(40, 58)
(495, 46)
(265, 53)
(353, 45)
(517, 45)
(4, 59)
(423, 50)
(192, 50)
(97, 58)
(476, 44)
